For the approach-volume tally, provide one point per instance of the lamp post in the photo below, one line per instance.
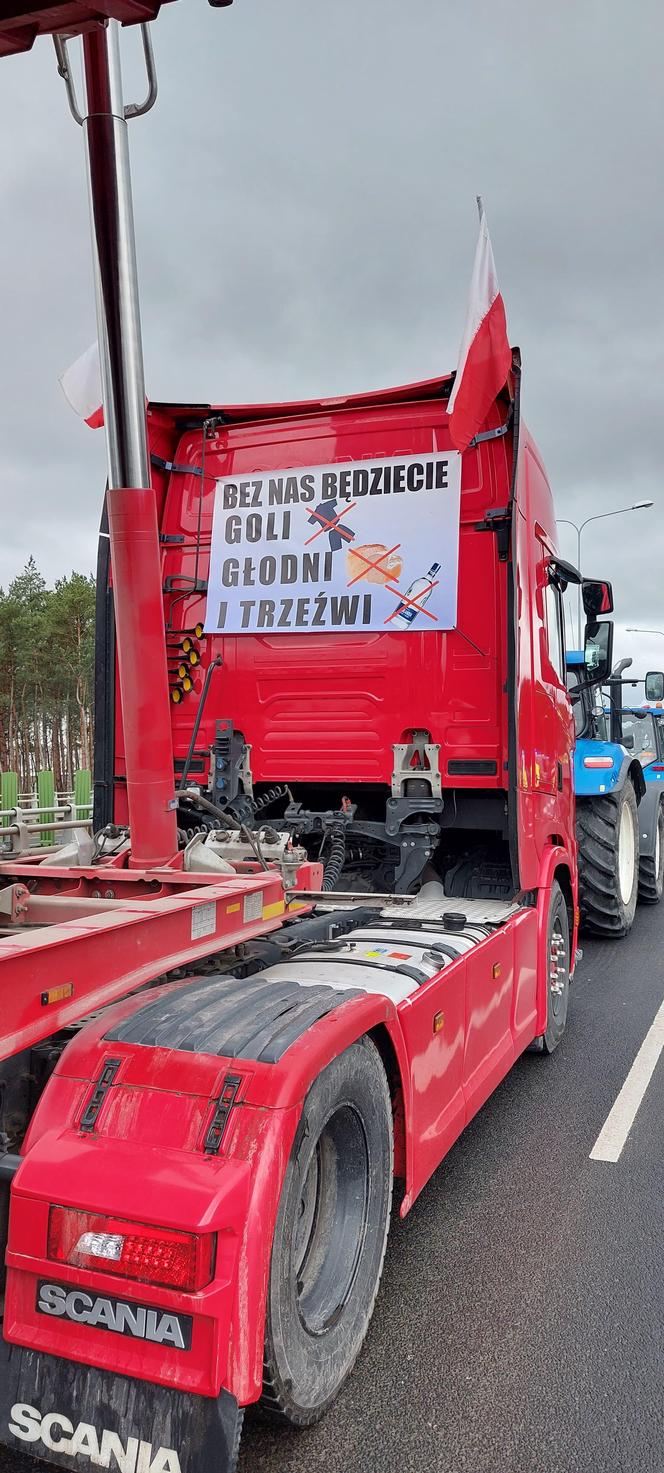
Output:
(646, 631)
(636, 506)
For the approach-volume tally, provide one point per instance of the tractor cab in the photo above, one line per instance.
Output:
(590, 714)
(643, 735)
(640, 736)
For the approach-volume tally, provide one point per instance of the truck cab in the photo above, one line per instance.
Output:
(383, 751)
(268, 1093)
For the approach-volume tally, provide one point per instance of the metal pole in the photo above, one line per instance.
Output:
(116, 276)
(132, 513)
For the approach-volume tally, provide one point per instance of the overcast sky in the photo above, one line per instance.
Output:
(305, 209)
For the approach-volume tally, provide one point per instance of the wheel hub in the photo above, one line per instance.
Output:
(626, 854)
(557, 966)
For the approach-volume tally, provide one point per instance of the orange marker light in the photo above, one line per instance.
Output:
(57, 994)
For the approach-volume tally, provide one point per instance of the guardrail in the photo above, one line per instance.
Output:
(45, 810)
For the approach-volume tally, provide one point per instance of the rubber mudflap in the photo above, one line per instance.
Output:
(82, 1418)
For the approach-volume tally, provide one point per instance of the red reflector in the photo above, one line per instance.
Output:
(152, 1255)
(598, 762)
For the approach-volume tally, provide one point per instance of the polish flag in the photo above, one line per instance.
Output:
(485, 355)
(81, 386)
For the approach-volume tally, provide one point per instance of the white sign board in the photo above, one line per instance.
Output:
(371, 545)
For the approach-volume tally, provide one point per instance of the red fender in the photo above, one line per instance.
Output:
(145, 1161)
(554, 858)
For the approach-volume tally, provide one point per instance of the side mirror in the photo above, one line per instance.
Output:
(655, 685)
(597, 597)
(598, 651)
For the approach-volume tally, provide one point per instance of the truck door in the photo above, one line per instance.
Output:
(552, 714)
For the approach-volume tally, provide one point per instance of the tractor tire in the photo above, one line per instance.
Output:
(608, 842)
(330, 1237)
(651, 866)
(558, 974)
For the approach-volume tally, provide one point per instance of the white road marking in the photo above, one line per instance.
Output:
(622, 1115)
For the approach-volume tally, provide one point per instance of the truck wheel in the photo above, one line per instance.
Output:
(330, 1237)
(558, 970)
(651, 866)
(608, 838)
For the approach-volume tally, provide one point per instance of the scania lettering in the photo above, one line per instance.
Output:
(105, 1450)
(114, 1314)
(331, 895)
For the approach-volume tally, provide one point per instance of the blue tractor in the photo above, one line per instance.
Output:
(610, 790)
(640, 730)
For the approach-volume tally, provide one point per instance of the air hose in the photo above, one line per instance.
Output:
(265, 800)
(336, 857)
(225, 819)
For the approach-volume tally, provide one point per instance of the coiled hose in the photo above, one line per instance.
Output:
(336, 856)
(266, 799)
(184, 835)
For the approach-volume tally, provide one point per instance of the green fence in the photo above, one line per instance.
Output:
(82, 794)
(8, 795)
(45, 804)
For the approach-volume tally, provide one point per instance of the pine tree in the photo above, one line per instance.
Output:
(46, 675)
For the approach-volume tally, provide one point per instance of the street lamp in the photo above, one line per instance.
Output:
(636, 506)
(646, 631)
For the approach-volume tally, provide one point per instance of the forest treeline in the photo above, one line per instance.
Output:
(46, 675)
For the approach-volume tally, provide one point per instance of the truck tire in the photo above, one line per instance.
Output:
(330, 1237)
(558, 973)
(608, 840)
(651, 866)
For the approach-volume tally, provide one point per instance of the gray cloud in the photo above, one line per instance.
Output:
(305, 211)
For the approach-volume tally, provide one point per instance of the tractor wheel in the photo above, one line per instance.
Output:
(558, 974)
(330, 1237)
(608, 840)
(651, 866)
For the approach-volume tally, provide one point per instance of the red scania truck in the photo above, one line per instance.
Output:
(331, 897)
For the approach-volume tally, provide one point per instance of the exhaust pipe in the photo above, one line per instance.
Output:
(132, 513)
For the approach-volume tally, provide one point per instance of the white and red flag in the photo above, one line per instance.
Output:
(81, 386)
(485, 355)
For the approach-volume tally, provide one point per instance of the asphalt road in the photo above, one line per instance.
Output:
(520, 1322)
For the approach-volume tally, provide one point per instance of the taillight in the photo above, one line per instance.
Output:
(598, 761)
(136, 1250)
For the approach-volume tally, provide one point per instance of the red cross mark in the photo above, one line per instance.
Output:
(372, 562)
(332, 525)
(413, 603)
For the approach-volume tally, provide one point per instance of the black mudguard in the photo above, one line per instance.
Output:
(648, 814)
(112, 1421)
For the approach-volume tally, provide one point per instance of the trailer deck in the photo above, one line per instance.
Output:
(72, 941)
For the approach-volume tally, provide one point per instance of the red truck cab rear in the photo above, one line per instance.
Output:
(201, 1212)
(452, 745)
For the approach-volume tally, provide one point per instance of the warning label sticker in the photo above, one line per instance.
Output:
(204, 920)
(253, 906)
